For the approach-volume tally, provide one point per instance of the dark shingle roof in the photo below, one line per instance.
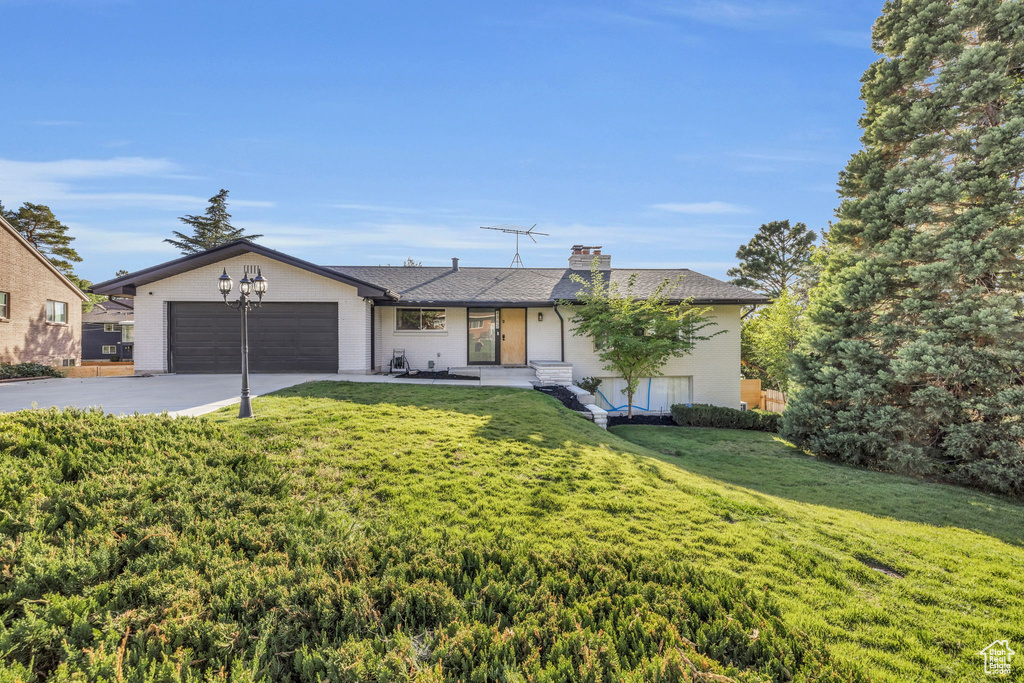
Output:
(111, 311)
(533, 285)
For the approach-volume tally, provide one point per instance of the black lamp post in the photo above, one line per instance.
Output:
(246, 288)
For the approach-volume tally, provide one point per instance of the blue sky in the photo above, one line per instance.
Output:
(363, 133)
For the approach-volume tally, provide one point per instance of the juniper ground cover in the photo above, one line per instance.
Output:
(394, 532)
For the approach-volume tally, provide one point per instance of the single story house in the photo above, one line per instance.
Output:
(108, 330)
(40, 308)
(353, 319)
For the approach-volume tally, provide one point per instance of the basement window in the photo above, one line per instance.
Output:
(419, 319)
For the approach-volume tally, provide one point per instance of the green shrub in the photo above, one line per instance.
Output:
(19, 370)
(589, 384)
(704, 415)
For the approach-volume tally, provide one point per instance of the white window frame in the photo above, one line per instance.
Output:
(5, 305)
(111, 327)
(127, 334)
(52, 310)
(444, 320)
(109, 349)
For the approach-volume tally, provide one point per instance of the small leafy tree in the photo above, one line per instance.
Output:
(776, 259)
(769, 337)
(635, 336)
(40, 227)
(209, 230)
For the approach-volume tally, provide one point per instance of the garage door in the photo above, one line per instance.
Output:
(283, 337)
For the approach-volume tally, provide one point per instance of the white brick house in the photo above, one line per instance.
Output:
(354, 319)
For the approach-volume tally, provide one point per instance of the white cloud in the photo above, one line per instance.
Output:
(733, 14)
(84, 168)
(371, 208)
(54, 181)
(702, 208)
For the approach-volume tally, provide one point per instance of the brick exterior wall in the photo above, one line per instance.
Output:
(286, 283)
(26, 336)
(448, 348)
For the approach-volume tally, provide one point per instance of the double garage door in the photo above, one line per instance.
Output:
(283, 337)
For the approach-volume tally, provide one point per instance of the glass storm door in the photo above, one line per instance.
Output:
(483, 336)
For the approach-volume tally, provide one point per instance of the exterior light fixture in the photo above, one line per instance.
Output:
(246, 287)
(540, 316)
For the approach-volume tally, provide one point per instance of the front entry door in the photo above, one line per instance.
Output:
(513, 336)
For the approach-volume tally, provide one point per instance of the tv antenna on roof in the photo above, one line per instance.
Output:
(517, 230)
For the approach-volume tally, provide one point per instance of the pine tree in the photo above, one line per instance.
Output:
(776, 259)
(914, 355)
(209, 230)
(40, 227)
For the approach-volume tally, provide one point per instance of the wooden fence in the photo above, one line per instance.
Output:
(772, 400)
(763, 399)
(88, 369)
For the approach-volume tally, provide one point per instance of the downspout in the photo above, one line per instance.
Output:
(561, 327)
(373, 341)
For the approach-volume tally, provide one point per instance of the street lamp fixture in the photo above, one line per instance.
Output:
(246, 288)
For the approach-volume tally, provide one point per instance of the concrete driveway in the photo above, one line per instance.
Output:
(176, 394)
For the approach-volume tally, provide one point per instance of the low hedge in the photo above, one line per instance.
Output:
(704, 415)
(20, 370)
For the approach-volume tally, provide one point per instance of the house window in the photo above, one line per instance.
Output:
(128, 333)
(5, 305)
(111, 327)
(408, 319)
(68, 362)
(476, 324)
(110, 350)
(56, 312)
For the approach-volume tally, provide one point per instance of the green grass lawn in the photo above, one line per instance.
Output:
(398, 532)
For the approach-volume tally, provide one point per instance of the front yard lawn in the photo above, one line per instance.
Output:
(397, 532)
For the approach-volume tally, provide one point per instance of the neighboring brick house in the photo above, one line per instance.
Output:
(40, 308)
(107, 330)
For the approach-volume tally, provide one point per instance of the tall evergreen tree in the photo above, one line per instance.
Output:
(776, 259)
(40, 227)
(209, 230)
(915, 352)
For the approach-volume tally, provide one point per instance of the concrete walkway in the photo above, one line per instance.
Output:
(178, 394)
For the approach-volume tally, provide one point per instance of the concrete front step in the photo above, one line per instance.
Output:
(470, 371)
(494, 372)
(499, 372)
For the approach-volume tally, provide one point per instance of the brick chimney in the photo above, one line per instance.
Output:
(582, 256)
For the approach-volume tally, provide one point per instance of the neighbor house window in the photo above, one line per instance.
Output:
(56, 312)
(128, 333)
(110, 350)
(68, 362)
(111, 327)
(5, 305)
(420, 319)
